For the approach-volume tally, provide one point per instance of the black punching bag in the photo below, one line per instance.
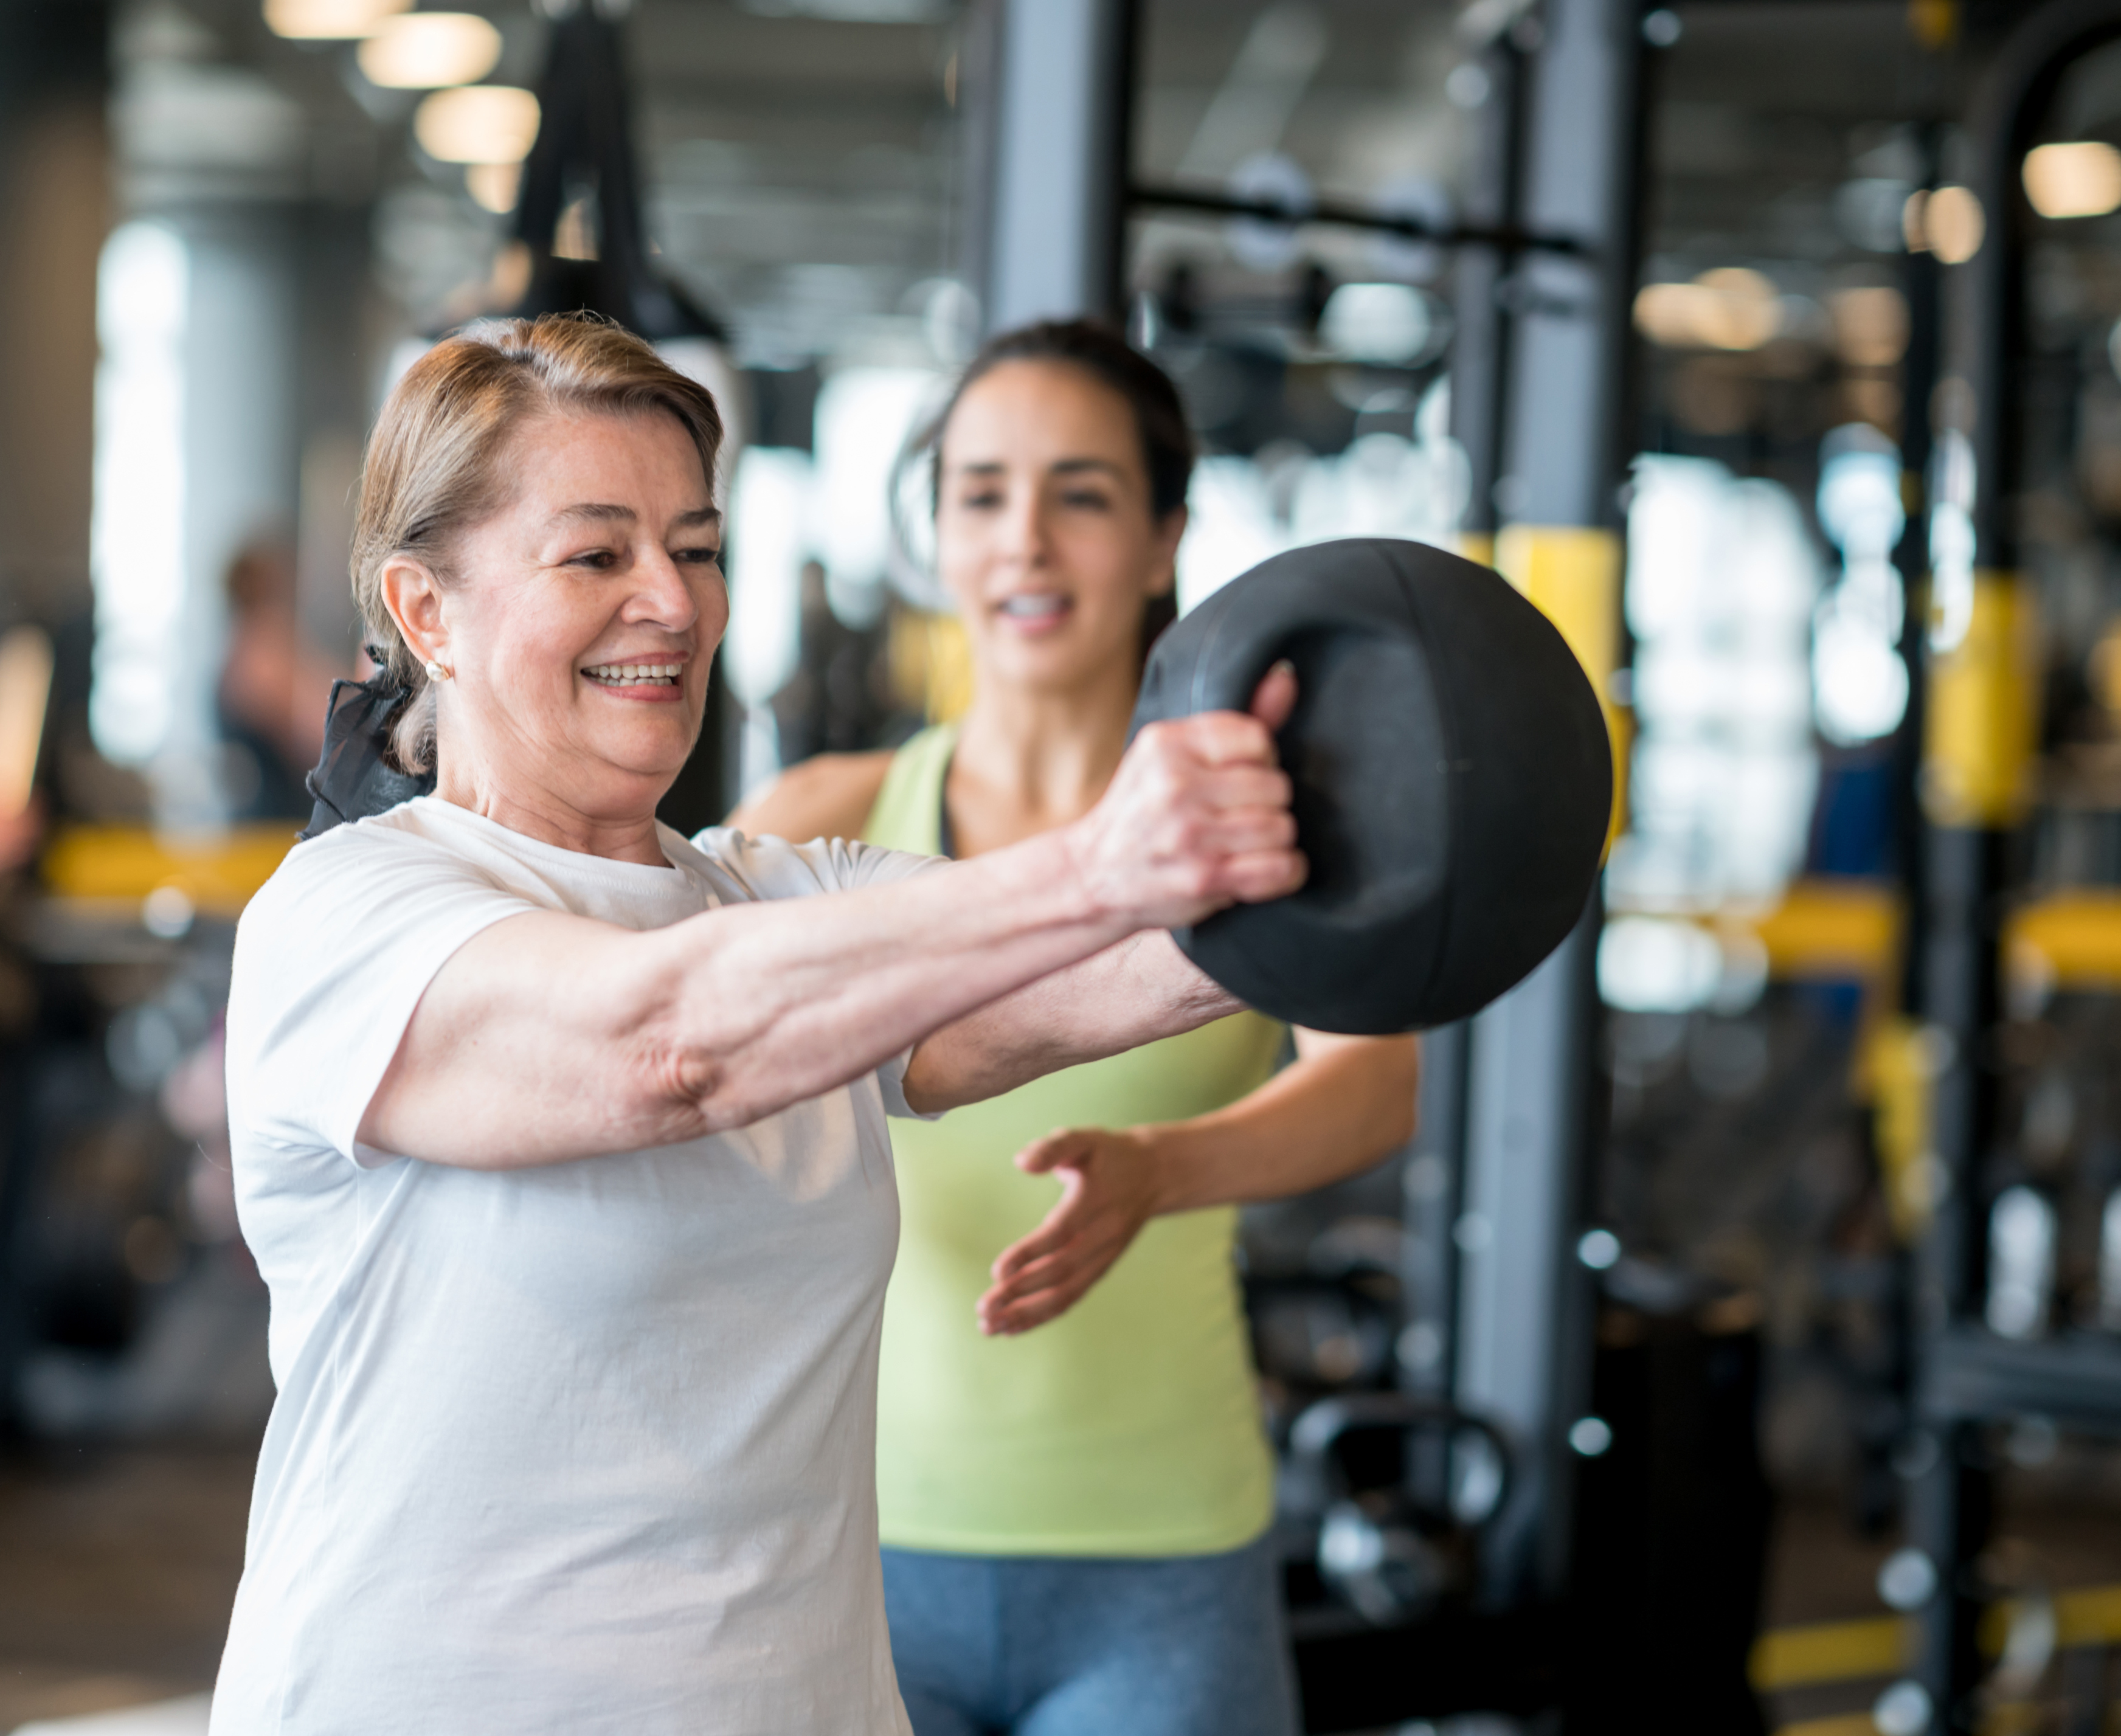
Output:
(1453, 780)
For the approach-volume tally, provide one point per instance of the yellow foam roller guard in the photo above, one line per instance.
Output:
(1900, 1062)
(1872, 1647)
(1985, 711)
(217, 873)
(1573, 573)
(1478, 546)
(932, 664)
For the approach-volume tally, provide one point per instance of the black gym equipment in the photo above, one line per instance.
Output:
(1453, 781)
(1396, 1551)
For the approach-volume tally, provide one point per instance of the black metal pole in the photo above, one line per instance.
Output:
(1979, 742)
(1479, 350)
(1525, 1335)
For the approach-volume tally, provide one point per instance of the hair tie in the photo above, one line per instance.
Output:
(354, 777)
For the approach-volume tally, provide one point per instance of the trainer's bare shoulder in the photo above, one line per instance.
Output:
(829, 796)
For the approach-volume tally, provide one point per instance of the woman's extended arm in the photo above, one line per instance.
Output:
(1344, 1104)
(549, 1037)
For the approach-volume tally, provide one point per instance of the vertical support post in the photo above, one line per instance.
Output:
(1051, 143)
(1921, 284)
(1479, 348)
(1977, 751)
(1434, 1177)
(1433, 1181)
(1899, 1048)
(1979, 739)
(1524, 1322)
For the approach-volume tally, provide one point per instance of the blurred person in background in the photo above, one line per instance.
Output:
(560, 1140)
(275, 684)
(833, 702)
(1076, 1520)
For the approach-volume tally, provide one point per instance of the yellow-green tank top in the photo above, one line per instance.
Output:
(1129, 1426)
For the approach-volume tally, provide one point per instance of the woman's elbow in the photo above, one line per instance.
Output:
(700, 1092)
(678, 1090)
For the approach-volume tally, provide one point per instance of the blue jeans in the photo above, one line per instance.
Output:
(1163, 1645)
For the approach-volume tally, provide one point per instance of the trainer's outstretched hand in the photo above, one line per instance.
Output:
(1196, 817)
(1108, 1193)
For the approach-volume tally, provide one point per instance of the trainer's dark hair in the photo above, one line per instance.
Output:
(1167, 442)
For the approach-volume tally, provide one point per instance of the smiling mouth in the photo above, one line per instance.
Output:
(635, 675)
(1035, 607)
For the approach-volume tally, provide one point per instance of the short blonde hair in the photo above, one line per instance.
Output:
(433, 465)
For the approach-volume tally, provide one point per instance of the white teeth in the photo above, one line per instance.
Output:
(635, 675)
(1036, 604)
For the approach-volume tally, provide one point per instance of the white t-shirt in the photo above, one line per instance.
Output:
(588, 1447)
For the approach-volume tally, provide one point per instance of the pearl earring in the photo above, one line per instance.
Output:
(436, 672)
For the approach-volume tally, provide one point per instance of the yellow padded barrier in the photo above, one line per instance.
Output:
(2071, 940)
(217, 873)
(932, 664)
(1830, 1651)
(1983, 719)
(1879, 1646)
(1574, 573)
(1899, 1068)
(1826, 930)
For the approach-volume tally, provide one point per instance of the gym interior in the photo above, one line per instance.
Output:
(1736, 1344)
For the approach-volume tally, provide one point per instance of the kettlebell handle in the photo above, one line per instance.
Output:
(1228, 683)
(1315, 1433)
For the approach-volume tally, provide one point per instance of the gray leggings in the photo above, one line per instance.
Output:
(1013, 1645)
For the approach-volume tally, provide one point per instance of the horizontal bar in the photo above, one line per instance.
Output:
(2074, 1381)
(1505, 237)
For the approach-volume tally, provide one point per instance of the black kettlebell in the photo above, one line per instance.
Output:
(1390, 1554)
(1453, 781)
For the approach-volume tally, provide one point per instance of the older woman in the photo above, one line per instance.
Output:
(561, 1141)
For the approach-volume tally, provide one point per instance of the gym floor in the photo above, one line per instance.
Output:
(119, 1563)
(117, 1567)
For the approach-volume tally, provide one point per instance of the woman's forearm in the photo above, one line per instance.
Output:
(783, 1001)
(1335, 1110)
(549, 1037)
(564, 1038)
(1128, 994)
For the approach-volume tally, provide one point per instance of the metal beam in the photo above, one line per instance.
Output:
(1143, 196)
(1524, 1338)
(1050, 139)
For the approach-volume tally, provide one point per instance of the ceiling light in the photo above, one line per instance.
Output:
(327, 19)
(421, 51)
(1387, 324)
(1953, 222)
(477, 123)
(1870, 326)
(495, 185)
(1730, 309)
(2081, 179)
(1740, 311)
